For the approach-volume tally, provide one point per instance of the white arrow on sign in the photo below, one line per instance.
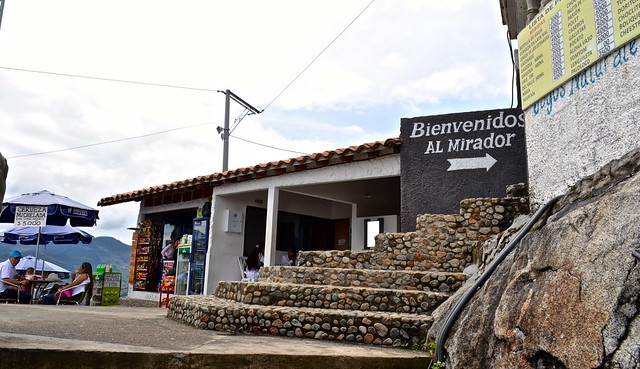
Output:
(486, 161)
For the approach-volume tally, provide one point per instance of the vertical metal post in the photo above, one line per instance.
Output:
(225, 133)
(1, 10)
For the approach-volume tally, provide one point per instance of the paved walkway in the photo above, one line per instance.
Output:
(38, 336)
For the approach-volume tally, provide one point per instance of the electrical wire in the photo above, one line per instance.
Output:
(238, 120)
(108, 142)
(271, 147)
(317, 56)
(144, 136)
(109, 79)
(194, 88)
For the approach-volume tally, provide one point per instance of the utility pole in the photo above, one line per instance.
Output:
(224, 132)
(1, 10)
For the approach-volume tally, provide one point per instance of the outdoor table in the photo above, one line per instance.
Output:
(38, 286)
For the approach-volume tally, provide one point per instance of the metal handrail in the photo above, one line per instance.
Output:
(453, 314)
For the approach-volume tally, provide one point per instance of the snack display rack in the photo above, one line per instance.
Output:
(146, 257)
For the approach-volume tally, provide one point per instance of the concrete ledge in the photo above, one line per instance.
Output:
(110, 337)
(73, 359)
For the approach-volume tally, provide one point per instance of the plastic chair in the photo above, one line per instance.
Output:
(166, 289)
(62, 301)
(242, 262)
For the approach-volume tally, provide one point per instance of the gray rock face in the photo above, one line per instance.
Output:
(4, 168)
(569, 295)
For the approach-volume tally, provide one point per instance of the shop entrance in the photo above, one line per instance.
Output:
(296, 231)
(162, 227)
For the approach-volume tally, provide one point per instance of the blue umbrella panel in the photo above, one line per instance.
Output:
(60, 209)
(42, 235)
(57, 234)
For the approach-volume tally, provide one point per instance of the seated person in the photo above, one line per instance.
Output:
(9, 274)
(83, 278)
(30, 275)
(254, 263)
(289, 259)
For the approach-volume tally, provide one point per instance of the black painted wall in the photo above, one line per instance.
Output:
(451, 157)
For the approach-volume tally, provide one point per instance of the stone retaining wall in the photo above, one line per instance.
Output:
(331, 297)
(346, 259)
(390, 329)
(393, 279)
(443, 243)
(381, 296)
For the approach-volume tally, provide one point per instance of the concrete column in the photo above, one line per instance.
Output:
(271, 227)
(357, 230)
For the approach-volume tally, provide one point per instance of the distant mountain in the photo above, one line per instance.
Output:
(102, 250)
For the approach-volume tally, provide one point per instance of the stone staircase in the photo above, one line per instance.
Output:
(382, 296)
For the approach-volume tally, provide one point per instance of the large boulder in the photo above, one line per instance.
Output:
(568, 296)
(4, 168)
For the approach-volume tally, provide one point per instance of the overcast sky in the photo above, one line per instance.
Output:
(398, 59)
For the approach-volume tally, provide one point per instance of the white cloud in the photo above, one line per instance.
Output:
(393, 60)
(462, 81)
(399, 59)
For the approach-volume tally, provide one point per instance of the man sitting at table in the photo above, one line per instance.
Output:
(9, 274)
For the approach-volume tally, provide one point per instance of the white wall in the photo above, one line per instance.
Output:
(225, 247)
(386, 166)
(305, 205)
(584, 124)
(391, 224)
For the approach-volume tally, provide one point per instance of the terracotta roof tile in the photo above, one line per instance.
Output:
(319, 160)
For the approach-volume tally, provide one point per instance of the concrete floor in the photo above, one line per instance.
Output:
(38, 336)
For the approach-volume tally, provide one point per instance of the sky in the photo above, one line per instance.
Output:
(99, 98)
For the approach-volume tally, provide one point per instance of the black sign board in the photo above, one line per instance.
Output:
(451, 157)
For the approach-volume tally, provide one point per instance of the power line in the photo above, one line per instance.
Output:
(109, 79)
(144, 136)
(271, 147)
(179, 87)
(317, 56)
(194, 88)
(108, 142)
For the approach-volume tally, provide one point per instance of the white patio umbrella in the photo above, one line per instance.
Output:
(29, 261)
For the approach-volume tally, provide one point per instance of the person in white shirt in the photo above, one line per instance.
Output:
(9, 274)
(83, 278)
(289, 259)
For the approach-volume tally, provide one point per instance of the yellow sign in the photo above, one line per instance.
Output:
(567, 36)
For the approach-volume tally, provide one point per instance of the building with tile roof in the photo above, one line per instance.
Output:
(321, 201)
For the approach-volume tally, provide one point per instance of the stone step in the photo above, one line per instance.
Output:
(331, 297)
(393, 279)
(377, 328)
